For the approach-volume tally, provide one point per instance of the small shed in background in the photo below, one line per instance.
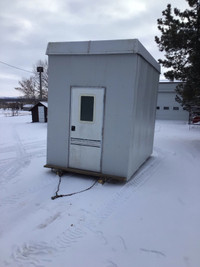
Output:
(39, 112)
(102, 99)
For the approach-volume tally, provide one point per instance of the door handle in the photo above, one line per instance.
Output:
(73, 128)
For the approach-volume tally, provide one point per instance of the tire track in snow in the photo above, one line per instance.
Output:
(13, 166)
(74, 234)
(35, 149)
(18, 198)
(21, 153)
(39, 253)
(69, 237)
(32, 254)
(20, 157)
(138, 179)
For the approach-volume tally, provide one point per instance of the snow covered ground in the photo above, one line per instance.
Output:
(151, 221)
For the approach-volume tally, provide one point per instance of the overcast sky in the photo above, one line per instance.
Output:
(26, 27)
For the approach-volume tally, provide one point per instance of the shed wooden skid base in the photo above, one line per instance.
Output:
(85, 172)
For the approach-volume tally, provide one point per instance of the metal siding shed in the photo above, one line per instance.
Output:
(118, 81)
(131, 46)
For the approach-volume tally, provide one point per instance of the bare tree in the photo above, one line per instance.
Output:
(43, 64)
(30, 87)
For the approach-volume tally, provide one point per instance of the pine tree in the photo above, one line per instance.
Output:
(180, 40)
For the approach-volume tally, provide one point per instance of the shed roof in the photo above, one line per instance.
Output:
(44, 104)
(40, 102)
(128, 46)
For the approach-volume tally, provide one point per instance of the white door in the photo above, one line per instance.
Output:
(41, 114)
(86, 128)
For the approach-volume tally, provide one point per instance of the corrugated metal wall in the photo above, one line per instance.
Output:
(143, 117)
(114, 72)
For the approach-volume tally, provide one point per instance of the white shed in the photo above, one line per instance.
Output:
(101, 107)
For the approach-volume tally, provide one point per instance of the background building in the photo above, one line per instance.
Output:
(167, 107)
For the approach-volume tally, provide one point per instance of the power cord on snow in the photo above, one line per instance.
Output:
(68, 195)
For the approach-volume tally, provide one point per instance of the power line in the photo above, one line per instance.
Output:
(14, 67)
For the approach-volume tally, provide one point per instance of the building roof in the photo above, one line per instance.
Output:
(44, 104)
(40, 102)
(28, 106)
(129, 46)
(168, 87)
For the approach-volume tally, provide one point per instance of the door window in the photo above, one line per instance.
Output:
(87, 108)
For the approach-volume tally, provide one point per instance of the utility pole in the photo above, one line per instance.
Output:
(40, 70)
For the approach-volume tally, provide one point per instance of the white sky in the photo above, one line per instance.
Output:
(26, 27)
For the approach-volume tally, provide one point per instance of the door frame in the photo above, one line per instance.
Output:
(103, 120)
(39, 108)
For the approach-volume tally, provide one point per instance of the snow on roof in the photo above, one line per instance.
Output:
(44, 104)
(41, 102)
(128, 46)
(28, 106)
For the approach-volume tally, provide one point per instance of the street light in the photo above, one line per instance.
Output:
(40, 70)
